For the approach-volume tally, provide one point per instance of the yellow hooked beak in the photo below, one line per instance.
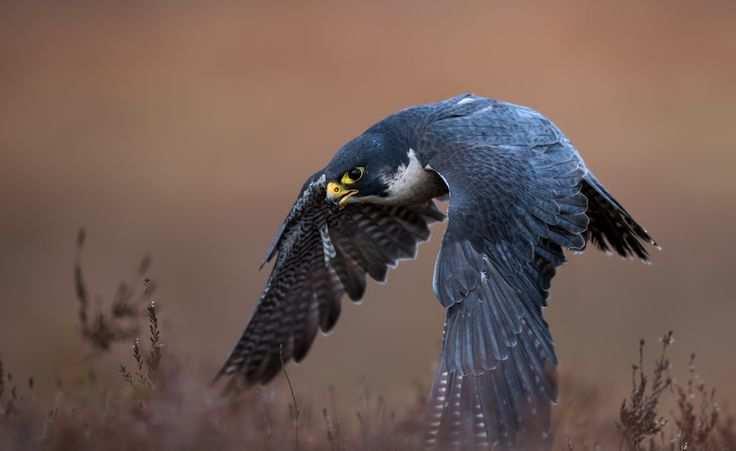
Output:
(337, 193)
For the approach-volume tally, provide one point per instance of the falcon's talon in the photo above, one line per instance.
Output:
(519, 194)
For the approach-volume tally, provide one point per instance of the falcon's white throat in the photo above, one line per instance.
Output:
(410, 183)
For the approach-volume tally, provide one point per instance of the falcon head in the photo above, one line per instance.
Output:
(377, 168)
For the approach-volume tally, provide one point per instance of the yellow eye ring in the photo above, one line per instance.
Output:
(353, 175)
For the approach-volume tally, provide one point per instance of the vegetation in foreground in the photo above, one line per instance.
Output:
(157, 407)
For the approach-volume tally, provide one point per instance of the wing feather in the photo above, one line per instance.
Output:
(321, 253)
(515, 204)
(519, 195)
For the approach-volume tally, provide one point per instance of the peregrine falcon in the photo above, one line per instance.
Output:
(519, 195)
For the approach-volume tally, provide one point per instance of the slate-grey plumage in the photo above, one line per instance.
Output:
(519, 194)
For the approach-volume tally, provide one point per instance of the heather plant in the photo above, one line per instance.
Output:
(158, 405)
(102, 327)
(639, 419)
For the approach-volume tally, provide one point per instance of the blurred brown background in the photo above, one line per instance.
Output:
(185, 129)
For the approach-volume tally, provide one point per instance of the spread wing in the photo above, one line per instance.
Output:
(322, 252)
(519, 195)
(515, 204)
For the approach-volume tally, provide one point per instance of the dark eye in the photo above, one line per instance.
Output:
(356, 173)
(353, 175)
